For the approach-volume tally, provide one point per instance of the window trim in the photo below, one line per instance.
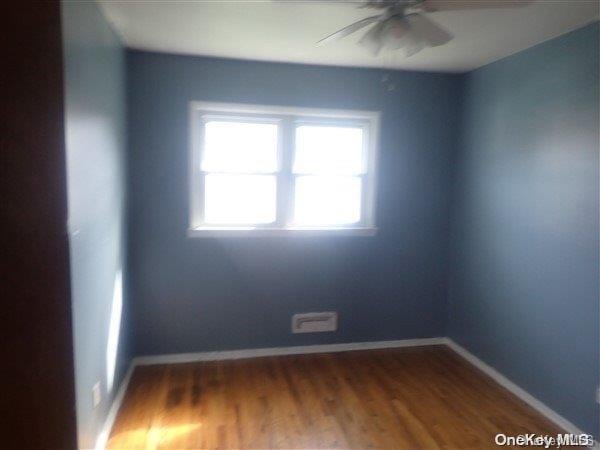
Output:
(288, 118)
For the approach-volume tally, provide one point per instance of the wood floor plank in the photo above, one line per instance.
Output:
(426, 397)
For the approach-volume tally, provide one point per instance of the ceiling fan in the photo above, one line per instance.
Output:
(402, 24)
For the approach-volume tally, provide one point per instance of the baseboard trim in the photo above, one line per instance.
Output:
(278, 351)
(102, 438)
(536, 404)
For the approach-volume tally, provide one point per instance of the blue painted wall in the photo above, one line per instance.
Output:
(215, 294)
(95, 144)
(524, 293)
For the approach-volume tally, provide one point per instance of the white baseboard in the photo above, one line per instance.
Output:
(540, 407)
(543, 409)
(102, 438)
(277, 351)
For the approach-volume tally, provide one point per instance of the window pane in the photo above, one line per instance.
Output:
(331, 200)
(239, 147)
(324, 149)
(239, 199)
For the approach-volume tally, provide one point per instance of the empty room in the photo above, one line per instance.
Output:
(301, 224)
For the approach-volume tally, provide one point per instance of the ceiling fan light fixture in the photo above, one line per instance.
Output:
(395, 33)
(396, 28)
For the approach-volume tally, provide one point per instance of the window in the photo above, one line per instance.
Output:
(259, 170)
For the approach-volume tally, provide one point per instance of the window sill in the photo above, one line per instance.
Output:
(205, 232)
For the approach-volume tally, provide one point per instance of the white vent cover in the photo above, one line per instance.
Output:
(314, 322)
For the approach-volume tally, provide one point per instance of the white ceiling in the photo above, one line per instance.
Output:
(284, 30)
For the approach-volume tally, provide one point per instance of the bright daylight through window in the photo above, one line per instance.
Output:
(273, 170)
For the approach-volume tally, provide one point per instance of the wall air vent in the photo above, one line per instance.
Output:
(314, 322)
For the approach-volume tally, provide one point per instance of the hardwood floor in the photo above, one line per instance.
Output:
(423, 397)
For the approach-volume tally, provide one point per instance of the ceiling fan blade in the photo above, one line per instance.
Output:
(372, 40)
(432, 33)
(457, 5)
(413, 44)
(377, 4)
(346, 31)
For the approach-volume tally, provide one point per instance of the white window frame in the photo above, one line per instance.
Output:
(287, 118)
